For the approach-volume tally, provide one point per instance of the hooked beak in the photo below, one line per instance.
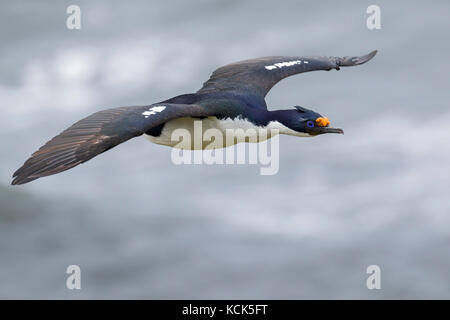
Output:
(322, 130)
(331, 130)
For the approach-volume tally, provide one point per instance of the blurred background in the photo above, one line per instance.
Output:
(141, 227)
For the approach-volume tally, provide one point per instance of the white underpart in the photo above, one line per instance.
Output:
(284, 64)
(153, 110)
(223, 126)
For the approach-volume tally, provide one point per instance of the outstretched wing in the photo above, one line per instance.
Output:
(260, 75)
(98, 133)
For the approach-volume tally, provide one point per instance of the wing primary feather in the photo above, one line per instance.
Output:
(96, 134)
(258, 76)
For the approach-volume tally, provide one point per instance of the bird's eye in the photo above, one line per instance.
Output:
(310, 124)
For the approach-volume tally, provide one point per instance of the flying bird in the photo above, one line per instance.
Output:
(233, 97)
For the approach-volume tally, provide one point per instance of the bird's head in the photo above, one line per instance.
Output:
(306, 122)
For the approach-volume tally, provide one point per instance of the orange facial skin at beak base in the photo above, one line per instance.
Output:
(323, 122)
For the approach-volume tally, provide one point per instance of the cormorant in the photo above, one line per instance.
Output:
(233, 97)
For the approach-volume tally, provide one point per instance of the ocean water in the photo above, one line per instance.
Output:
(141, 227)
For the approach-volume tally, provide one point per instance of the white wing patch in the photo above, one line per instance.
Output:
(153, 110)
(284, 64)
